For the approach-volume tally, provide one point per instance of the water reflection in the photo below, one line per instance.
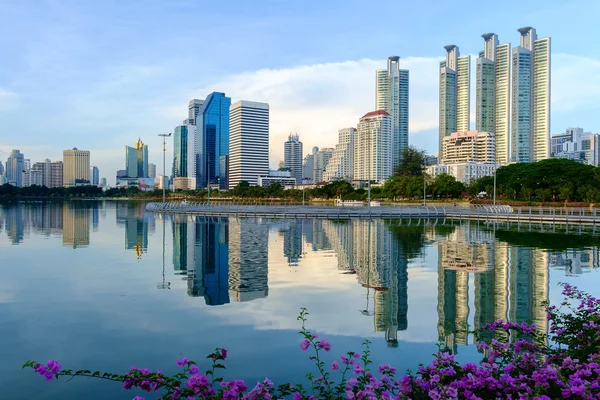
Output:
(483, 273)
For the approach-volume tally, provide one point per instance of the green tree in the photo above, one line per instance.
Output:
(411, 163)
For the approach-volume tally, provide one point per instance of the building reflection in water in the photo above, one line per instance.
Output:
(132, 216)
(224, 259)
(510, 282)
(76, 225)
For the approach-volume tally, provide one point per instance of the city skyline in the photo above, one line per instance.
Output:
(151, 90)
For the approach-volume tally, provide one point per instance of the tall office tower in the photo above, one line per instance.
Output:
(76, 167)
(248, 142)
(136, 160)
(531, 98)
(248, 259)
(151, 170)
(211, 138)
(180, 151)
(322, 159)
(308, 165)
(292, 156)
(56, 174)
(455, 77)
(15, 164)
(94, 175)
(493, 93)
(1, 168)
(103, 182)
(32, 178)
(341, 164)
(194, 107)
(392, 96)
(372, 160)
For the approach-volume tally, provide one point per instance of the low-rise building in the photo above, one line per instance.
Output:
(463, 147)
(462, 172)
(284, 178)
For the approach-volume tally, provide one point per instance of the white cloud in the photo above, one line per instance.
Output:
(317, 100)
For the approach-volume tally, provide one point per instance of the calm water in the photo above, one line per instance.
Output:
(90, 284)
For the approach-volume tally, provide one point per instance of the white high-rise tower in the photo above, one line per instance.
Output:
(455, 77)
(531, 98)
(392, 96)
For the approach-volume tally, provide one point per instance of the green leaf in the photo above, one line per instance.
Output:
(219, 366)
(97, 373)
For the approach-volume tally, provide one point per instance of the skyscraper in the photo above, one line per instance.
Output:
(56, 174)
(308, 165)
(94, 175)
(180, 151)
(341, 164)
(45, 169)
(194, 107)
(392, 96)
(455, 76)
(1, 168)
(248, 141)
(14, 168)
(372, 158)
(321, 161)
(493, 93)
(76, 167)
(292, 156)
(136, 160)
(531, 98)
(212, 137)
(151, 170)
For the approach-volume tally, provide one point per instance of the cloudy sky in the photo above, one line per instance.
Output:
(99, 74)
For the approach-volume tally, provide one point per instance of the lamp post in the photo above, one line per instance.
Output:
(164, 136)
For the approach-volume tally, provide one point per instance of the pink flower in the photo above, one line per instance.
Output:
(224, 353)
(194, 370)
(335, 365)
(183, 361)
(297, 396)
(324, 344)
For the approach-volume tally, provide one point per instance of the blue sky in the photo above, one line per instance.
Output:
(99, 74)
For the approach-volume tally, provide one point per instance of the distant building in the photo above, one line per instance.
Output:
(372, 152)
(1, 168)
(32, 178)
(45, 169)
(56, 174)
(284, 178)
(94, 175)
(293, 156)
(321, 161)
(594, 157)
(341, 164)
(180, 151)
(460, 147)
(248, 142)
(308, 166)
(574, 144)
(224, 168)
(194, 107)
(103, 182)
(14, 168)
(151, 170)
(136, 160)
(76, 167)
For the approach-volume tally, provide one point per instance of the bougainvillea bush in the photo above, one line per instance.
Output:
(518, 365)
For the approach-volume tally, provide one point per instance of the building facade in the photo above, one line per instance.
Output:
(392, 96)
(372, 152)
(151, 170)
(455, 77)
(136, 160)
(284, 178)
(341, 164)
(180, 151)
(531, 98)
(474, 146)
(211, 138)
(463, 172)
(76, 167)
(292, 156)
(322, 159)
(308, 166)
(94, 175)
(15, 164)
(249, 142)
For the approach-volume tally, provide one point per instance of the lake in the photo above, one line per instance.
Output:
(105, 285)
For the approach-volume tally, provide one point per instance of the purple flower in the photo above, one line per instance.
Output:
(356, 355)
(297, 396)
(352, 382)
(194, 370)
(335, 365)
(138, 398)
(305, 344)
(324, 344)
(183, 361)
(358, 369)
(224, 353)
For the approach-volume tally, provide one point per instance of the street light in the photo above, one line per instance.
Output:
(164, 136)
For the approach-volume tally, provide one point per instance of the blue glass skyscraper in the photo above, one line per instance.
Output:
(180, 151)
(212, 138)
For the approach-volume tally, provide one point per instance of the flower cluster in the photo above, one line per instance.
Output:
(517, 364)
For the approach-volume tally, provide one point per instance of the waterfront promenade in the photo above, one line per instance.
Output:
(582, 216)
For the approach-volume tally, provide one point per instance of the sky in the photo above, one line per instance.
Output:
(98, 75)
